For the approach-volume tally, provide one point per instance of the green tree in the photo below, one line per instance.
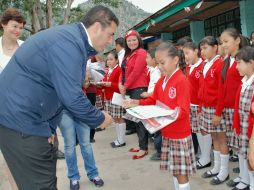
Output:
(41, 14)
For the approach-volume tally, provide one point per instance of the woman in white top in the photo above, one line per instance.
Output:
(12, 24)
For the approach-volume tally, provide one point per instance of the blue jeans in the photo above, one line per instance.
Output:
(71, 129)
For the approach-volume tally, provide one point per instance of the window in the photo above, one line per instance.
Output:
(215, 25)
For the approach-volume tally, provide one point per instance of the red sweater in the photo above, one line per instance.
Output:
(209, 85)
(229, 88)
(136, 70)
(114, 79)
(175, 94)
(194, 82)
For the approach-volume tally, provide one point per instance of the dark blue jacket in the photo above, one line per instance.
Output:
(45, 74)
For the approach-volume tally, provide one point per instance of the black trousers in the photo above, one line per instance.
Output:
(31, 160)
(158, 141)
(92, 98)
(141, 130)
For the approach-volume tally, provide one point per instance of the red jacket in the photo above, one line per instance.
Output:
(114, 79)
(176, 94)
(136, 70)
(209, 86)
(229, 88)
(194, 82)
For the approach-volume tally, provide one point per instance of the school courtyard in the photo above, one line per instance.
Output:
(119, 171)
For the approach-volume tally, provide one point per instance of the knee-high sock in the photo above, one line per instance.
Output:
(251, 175)
(205, 149)
(176, 184)
(185, 186)
(216, 166)
(224, 159)
(122, 130)
(245, 178)
(241, 161)
(117, 134)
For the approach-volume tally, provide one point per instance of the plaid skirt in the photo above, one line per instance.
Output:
(99, 103)
(114, 110)
(194, 119)
(177, 155)
(243, 142)
(206, 118)
(227, 117)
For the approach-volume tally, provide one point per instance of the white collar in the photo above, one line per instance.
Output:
(88, 37)
(197, 63)
(213, 59)
(110, 70)
(121, 52)
(247, 82)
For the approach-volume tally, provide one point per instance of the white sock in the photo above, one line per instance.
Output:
(206, 149)
(200, 143)
(117, 134)
(224, 159)
(176, 184)
(251, 175)
(216, 166)
(122, 130)
(240, 157)
(245, 178)
(185, 186)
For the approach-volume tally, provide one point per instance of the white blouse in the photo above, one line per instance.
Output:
(4, 59)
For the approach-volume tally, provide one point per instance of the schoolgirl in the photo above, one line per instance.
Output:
(245, 66)
(110, 85)
(173, 90)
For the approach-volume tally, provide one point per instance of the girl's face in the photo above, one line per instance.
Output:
(191, 56)
(167, 64)
(229, 44)
(132, 42)
(208, 52)
(245, 68)
(111, 61)
(150, 61)
(13, 29)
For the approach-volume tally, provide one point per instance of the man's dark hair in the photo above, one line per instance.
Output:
(120, 41)
(99, 14)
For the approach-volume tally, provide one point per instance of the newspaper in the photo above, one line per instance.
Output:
(154, 118)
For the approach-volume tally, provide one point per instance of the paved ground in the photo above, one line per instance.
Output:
(119, 171)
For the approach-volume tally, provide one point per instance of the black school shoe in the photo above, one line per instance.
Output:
(200, 166)
(217, 181)
(113, 145)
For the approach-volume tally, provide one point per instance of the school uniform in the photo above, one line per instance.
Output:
(208, 94)
(112, 75)
(194, 72)
(242, 114)
(177, 147)
(226, 100)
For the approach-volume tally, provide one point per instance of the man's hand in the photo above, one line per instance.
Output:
(107, 122)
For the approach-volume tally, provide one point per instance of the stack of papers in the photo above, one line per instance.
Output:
(153, 117)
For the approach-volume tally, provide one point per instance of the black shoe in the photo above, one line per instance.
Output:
(236, 170)
(98, 182)
(234, 158)
(130, 132)
(208, 174)
(156, 157)
(99, 129)
(74, 187)
(60, 154)
(200, 166)
(113, 145)
(246, 188)
(92, 140)
(232, 183)
(217, 181)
